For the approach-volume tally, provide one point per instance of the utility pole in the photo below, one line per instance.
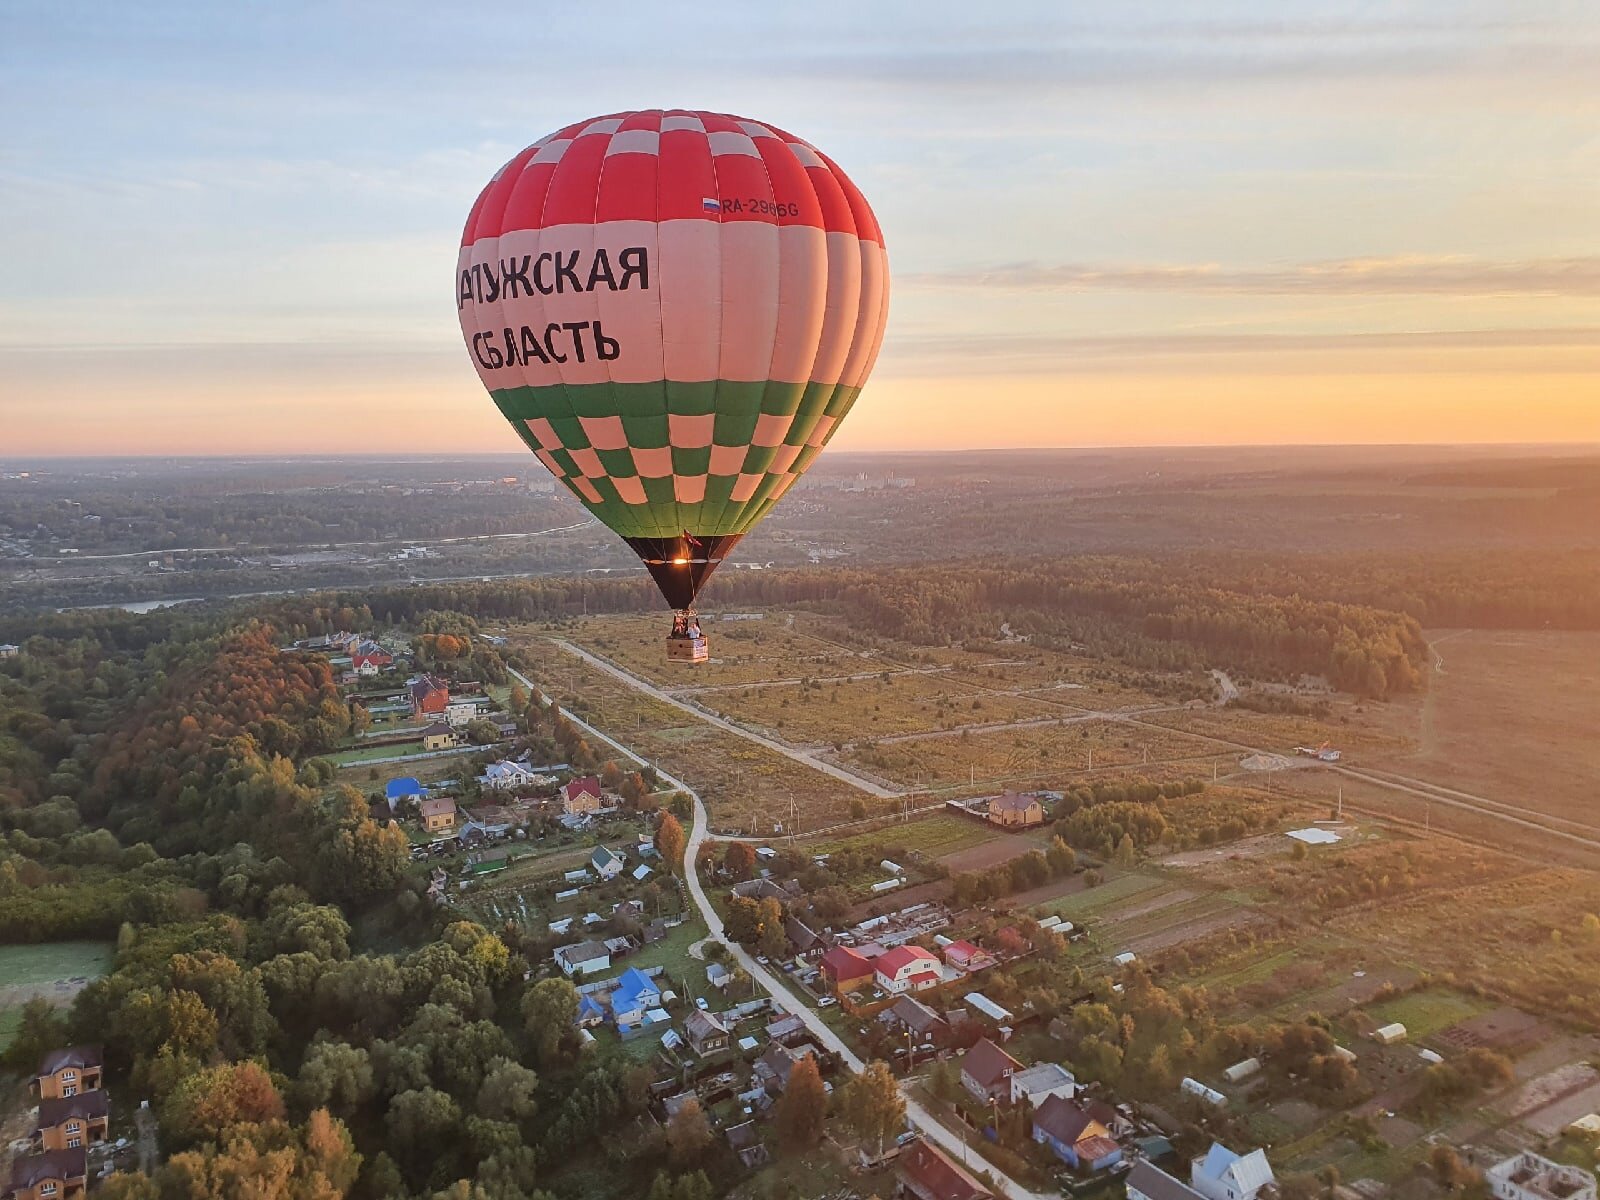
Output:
(1339, 812)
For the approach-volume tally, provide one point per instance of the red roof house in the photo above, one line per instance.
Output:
(845, 969)
(964, 956)
(429, 694)
(927, 1173)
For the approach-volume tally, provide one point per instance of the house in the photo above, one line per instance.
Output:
(635, 995)
(966, 957)
(53, 1175)
(438, 816)
(705, 1033)
(913, 1016)
(763, 888)
(590, 1012)
(907, 969)
(605, 863)
(1224, 1175)
(986, 1071)
(805, 943)
(504, 775)
(9, 650)
(1073, 1134)
(1528, 1176)
(1149, 1182)
(925, 1172)
(1039, 1082)
(72, 1121)
(439, 736)
(397, 791)
(581, 795)
(67, 1072)
(745, 1141)
(772, 1069)
(582, 958)
(844, 968)
(460, 713)
(369, 658)
(428, 695)
(1015, 811)
(786, 1029)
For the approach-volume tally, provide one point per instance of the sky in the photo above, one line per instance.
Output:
(231, 228)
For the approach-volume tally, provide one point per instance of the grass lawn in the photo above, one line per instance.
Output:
(935, 836)
(1109, 894)
(26, 971)
(1426, 1012)
(369, 753)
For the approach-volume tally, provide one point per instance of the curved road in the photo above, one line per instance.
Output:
(916, 1113)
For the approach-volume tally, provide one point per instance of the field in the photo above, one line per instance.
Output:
(54, 970)
(937, 835)
(1513, 716)
(1426, 1012)
(1045, 755)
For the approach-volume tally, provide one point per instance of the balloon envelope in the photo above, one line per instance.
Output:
(674, 310)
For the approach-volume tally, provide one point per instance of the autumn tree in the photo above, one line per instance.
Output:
(739, 860)
(688, 1134)
(872, 1104)
(208, 1102)
(670, 841)
(803, 1107)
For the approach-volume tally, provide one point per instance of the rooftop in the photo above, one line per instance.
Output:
(987, 1063)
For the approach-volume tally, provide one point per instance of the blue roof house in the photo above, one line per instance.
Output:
(635, 993)
(403, 789)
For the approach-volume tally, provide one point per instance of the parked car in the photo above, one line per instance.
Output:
(827, 1001)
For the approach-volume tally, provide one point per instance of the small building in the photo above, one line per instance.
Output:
(907, 969)
(460, 713)
(438, 815)
(913, 1016)
(1125, 959)
(1529, 1176)
(705, 1033)
(1038, 1083)
(53, 1175)
(986, 1071)
(1223, 1175)
(925, 1172)
(718, 975)
(988, 1007)
(787, 1029)
(1073, 1134)
(67, 1072)
(439, 736)
(844, 969)
(428, 695)
(72, 1121)
(773, 1068)
(9, 650)
(1388, 1035)
(1240, 1071)
(605, 863)
(1149, 1182)
(641, 872)
(590, 1012)
(745, 1141)
(1013, 810)
(582, 958)
(967, 958)
(398, 791)
(1206, 1095)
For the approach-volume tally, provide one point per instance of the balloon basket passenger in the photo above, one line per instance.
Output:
(686, 643)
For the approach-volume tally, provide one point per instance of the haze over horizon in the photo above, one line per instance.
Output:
(232, 231)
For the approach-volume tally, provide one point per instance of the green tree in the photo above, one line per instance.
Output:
(337, 1076)
(509, 1092)
(549, 1009)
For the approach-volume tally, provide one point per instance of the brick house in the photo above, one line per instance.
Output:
(53, 1175)
(68, 1071)
(72, 1121)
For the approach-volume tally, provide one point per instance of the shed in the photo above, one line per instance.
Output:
(1193, 1087)
(1388, 1035)
(1242, 1070)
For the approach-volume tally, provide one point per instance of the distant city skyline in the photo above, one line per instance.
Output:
(231, 229)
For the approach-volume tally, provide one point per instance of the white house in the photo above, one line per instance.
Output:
(907, 969)
(505, 774)
(1528, 1176)
(1224, 1175)
(8, 650)
(1041, 1081)
(582, 958)
(459, 712)
(605, 863)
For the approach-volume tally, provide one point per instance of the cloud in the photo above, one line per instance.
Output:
(1399, 276)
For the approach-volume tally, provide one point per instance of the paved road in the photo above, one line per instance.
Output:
(919, 1116)
(800, 756)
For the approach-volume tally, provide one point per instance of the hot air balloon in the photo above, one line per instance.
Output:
(674, 310)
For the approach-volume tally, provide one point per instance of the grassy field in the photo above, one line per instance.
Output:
(1044, 753)
(1512, 716)
(48, 970)
(1426, 1012)
(934, 836)
(361, 754)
